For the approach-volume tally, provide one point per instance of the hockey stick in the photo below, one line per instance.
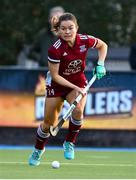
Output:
(55, 130)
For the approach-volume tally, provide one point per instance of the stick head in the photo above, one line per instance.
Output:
(53, 131)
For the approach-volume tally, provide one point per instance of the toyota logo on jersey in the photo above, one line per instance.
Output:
(73, 67)
(75, 63)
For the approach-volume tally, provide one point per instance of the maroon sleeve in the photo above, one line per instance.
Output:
(53, 55)
(92, 41)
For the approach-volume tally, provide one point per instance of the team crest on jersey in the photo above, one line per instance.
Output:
(82, 48)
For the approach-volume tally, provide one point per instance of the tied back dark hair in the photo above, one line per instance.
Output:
(64, 17)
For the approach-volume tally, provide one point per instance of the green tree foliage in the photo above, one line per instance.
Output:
(113, 21)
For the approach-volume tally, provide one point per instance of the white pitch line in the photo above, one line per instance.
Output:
(73, 164)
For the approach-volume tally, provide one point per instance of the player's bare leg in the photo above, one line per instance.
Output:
(75, 124)
(53, 106)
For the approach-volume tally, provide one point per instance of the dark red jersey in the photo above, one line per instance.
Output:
(72, 59)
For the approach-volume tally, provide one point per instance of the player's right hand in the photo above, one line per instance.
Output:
(81, 90)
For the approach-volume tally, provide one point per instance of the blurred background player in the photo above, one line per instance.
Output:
(44, 39)
(65, 80)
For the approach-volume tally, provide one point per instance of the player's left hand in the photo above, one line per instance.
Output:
(100, 71)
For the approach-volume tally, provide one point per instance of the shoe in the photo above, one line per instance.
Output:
(35, 157)
(68, 150)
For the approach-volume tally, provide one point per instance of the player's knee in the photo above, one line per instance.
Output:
(78, 113)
